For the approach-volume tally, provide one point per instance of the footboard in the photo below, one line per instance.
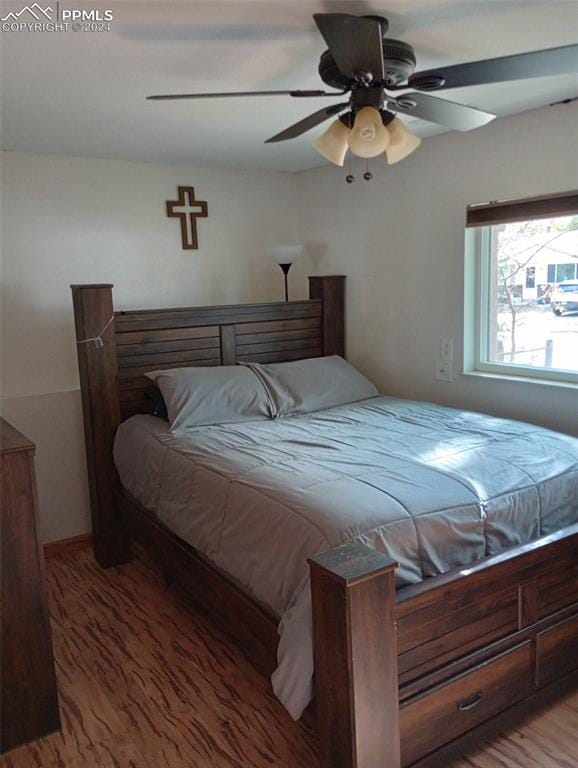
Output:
(462, 653)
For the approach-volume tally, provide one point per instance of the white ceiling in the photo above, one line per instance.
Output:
(83, 93)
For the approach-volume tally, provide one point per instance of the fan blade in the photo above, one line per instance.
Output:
(308, 122)
(296, 94)
(434, 110)
(552, 61)
(355, 43)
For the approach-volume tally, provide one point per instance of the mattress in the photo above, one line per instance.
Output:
(432, 487)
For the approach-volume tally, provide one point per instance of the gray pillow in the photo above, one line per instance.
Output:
(304, 386)
(225, 394)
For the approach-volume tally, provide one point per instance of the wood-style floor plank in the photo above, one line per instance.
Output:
(147, 681)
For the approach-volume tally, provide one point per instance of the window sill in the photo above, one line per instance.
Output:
(522, 379)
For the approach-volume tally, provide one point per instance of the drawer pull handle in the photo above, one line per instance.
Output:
(465, 706)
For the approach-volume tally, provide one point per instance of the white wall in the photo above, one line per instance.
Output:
(400, 241)
(75, 220)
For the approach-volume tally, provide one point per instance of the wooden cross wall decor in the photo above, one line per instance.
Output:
(190, 210)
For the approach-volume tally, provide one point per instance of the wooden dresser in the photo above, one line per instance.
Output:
(28, 695)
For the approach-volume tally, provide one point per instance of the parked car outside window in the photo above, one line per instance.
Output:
(564, 297)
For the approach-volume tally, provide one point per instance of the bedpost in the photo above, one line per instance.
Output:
(356, 684)
(98, 368)
(331, 290)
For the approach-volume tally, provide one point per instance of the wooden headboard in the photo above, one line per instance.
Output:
(112, 377)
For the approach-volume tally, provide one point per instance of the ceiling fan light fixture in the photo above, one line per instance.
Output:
(402, 142)
(368, 137)
(333, 143)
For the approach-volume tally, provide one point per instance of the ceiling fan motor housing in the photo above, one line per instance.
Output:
(331, 75)
(398, 61)
(398, 64)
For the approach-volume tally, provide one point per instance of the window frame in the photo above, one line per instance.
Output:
(477, 289)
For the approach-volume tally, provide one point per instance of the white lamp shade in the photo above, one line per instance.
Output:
(369, 137)
(333, 143)
(285, 254)
(403, 142)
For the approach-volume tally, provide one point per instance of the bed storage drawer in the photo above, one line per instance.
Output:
(458, 705)
(557, 588)
(557, 651)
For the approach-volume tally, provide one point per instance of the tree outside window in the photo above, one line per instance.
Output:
(528, 260)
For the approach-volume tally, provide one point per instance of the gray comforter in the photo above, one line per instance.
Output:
(433, 487)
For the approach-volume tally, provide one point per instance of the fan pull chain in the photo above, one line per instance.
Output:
(368, 175)
(350, 178)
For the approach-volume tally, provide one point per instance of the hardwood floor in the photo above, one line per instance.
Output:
(146, 681)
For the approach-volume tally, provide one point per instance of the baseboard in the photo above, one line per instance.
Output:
(55, 548)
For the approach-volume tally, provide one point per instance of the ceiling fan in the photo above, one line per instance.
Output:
(371, 68)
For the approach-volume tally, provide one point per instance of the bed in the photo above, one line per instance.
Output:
(443, 551)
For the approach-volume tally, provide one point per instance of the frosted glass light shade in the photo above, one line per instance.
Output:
(333, 143)
(285, 254)
(403, 142)
(369, 137)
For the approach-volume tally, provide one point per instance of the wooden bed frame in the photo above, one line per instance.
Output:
(411, 678)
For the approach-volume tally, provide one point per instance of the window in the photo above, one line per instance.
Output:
(565, 272)
(522, 292)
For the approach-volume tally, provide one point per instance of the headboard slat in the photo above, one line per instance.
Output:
(168, 357)
(303, 334)
(178, 318)
(153, 347)
(279, 346)
(168, 334)
(298, 324)
(281, 357)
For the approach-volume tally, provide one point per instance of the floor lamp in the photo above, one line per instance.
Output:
(285, 256)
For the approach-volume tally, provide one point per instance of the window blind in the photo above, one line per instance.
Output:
(504, 211)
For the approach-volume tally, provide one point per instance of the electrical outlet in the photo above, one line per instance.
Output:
(443, 369)
(445, 360)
